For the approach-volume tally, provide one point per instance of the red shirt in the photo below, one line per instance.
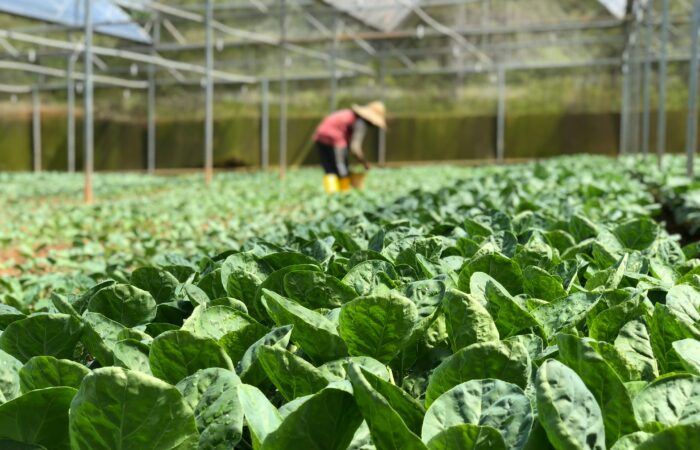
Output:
(336, 129)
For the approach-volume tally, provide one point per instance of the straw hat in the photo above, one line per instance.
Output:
(374, 113)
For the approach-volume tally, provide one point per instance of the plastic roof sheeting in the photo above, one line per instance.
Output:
(384, 15)
(72, 13)
(617, 8)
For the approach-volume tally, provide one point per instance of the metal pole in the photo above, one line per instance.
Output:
(333, 68)
(691, 139)
(381, 151)
(283, 89)
(89, 103)
(625, 113)
(647, 78)
(265, 125)
(36, 128)
(661, 119)
(209, 108)
(151, 147)
(501, 120)
(71, 113)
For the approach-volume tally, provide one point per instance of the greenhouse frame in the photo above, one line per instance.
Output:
(82, 45)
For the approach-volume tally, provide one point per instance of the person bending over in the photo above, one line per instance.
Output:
(340, 130)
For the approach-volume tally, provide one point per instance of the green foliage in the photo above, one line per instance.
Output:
(528, 307)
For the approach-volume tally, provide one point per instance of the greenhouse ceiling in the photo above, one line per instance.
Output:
(116, 22)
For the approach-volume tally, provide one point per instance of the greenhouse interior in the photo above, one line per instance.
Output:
(349, 225)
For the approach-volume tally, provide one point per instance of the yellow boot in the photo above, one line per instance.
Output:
(345, 184)
(331, 183)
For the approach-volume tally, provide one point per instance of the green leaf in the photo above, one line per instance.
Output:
(132, 354)
(510, 317)
(42, 334)
(213, 396)
(502, 269)
(631, 441)
(468, 437)
(378, 326)
(125, 304)
(634, 344)
(684, 301)
(407, 407)
(326, 421)
(236, 342)
(293, 376)
(314, 290)
(9, 376)
(216, 321)
(665, 328)
(9, 314)
(538, 283)
(211, 284)
(274, 283)
(38, 417)
(688, 351)
(608, 323)
(468, 322)
(564, 312)
(100, 335)
(46, 371)
(313, 332)
(6, 444)
(567, 410)
(602, 381)
(371, 277)
(506, 361)
(387, 427)
(158, 282)
(338, 370)
(118, 408)
(637, 234)
(487, 402)
(668, 401)
(178, 354)
(678, 437)
(249, 367)
(261, 416)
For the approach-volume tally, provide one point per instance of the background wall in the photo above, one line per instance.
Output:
(120, 144)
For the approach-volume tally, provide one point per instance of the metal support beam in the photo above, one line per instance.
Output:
(381, 151)
(70, 94)
(283, 90)
(691, 139)
(661, 118)
(646, 86)
(501, 119)
(625, 111)
(127, 55)
(209, 107)
(36, 129)
(265, 125)
(333, 66)
(151, 147)
(89, 105)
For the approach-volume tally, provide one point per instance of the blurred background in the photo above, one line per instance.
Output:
(467, 80)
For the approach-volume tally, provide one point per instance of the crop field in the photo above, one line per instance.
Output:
(550, 305)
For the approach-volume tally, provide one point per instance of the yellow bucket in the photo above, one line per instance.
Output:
(358, 180)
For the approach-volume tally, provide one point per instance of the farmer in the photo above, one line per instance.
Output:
(339, 130)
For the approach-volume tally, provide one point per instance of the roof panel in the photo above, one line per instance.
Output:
(617, 8)
(384, 15)
(72, 13)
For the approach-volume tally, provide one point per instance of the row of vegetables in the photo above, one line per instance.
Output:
(524, 307)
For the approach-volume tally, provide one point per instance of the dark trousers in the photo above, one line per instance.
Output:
(334, 160)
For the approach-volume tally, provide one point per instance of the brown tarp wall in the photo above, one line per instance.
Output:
(121, 144)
